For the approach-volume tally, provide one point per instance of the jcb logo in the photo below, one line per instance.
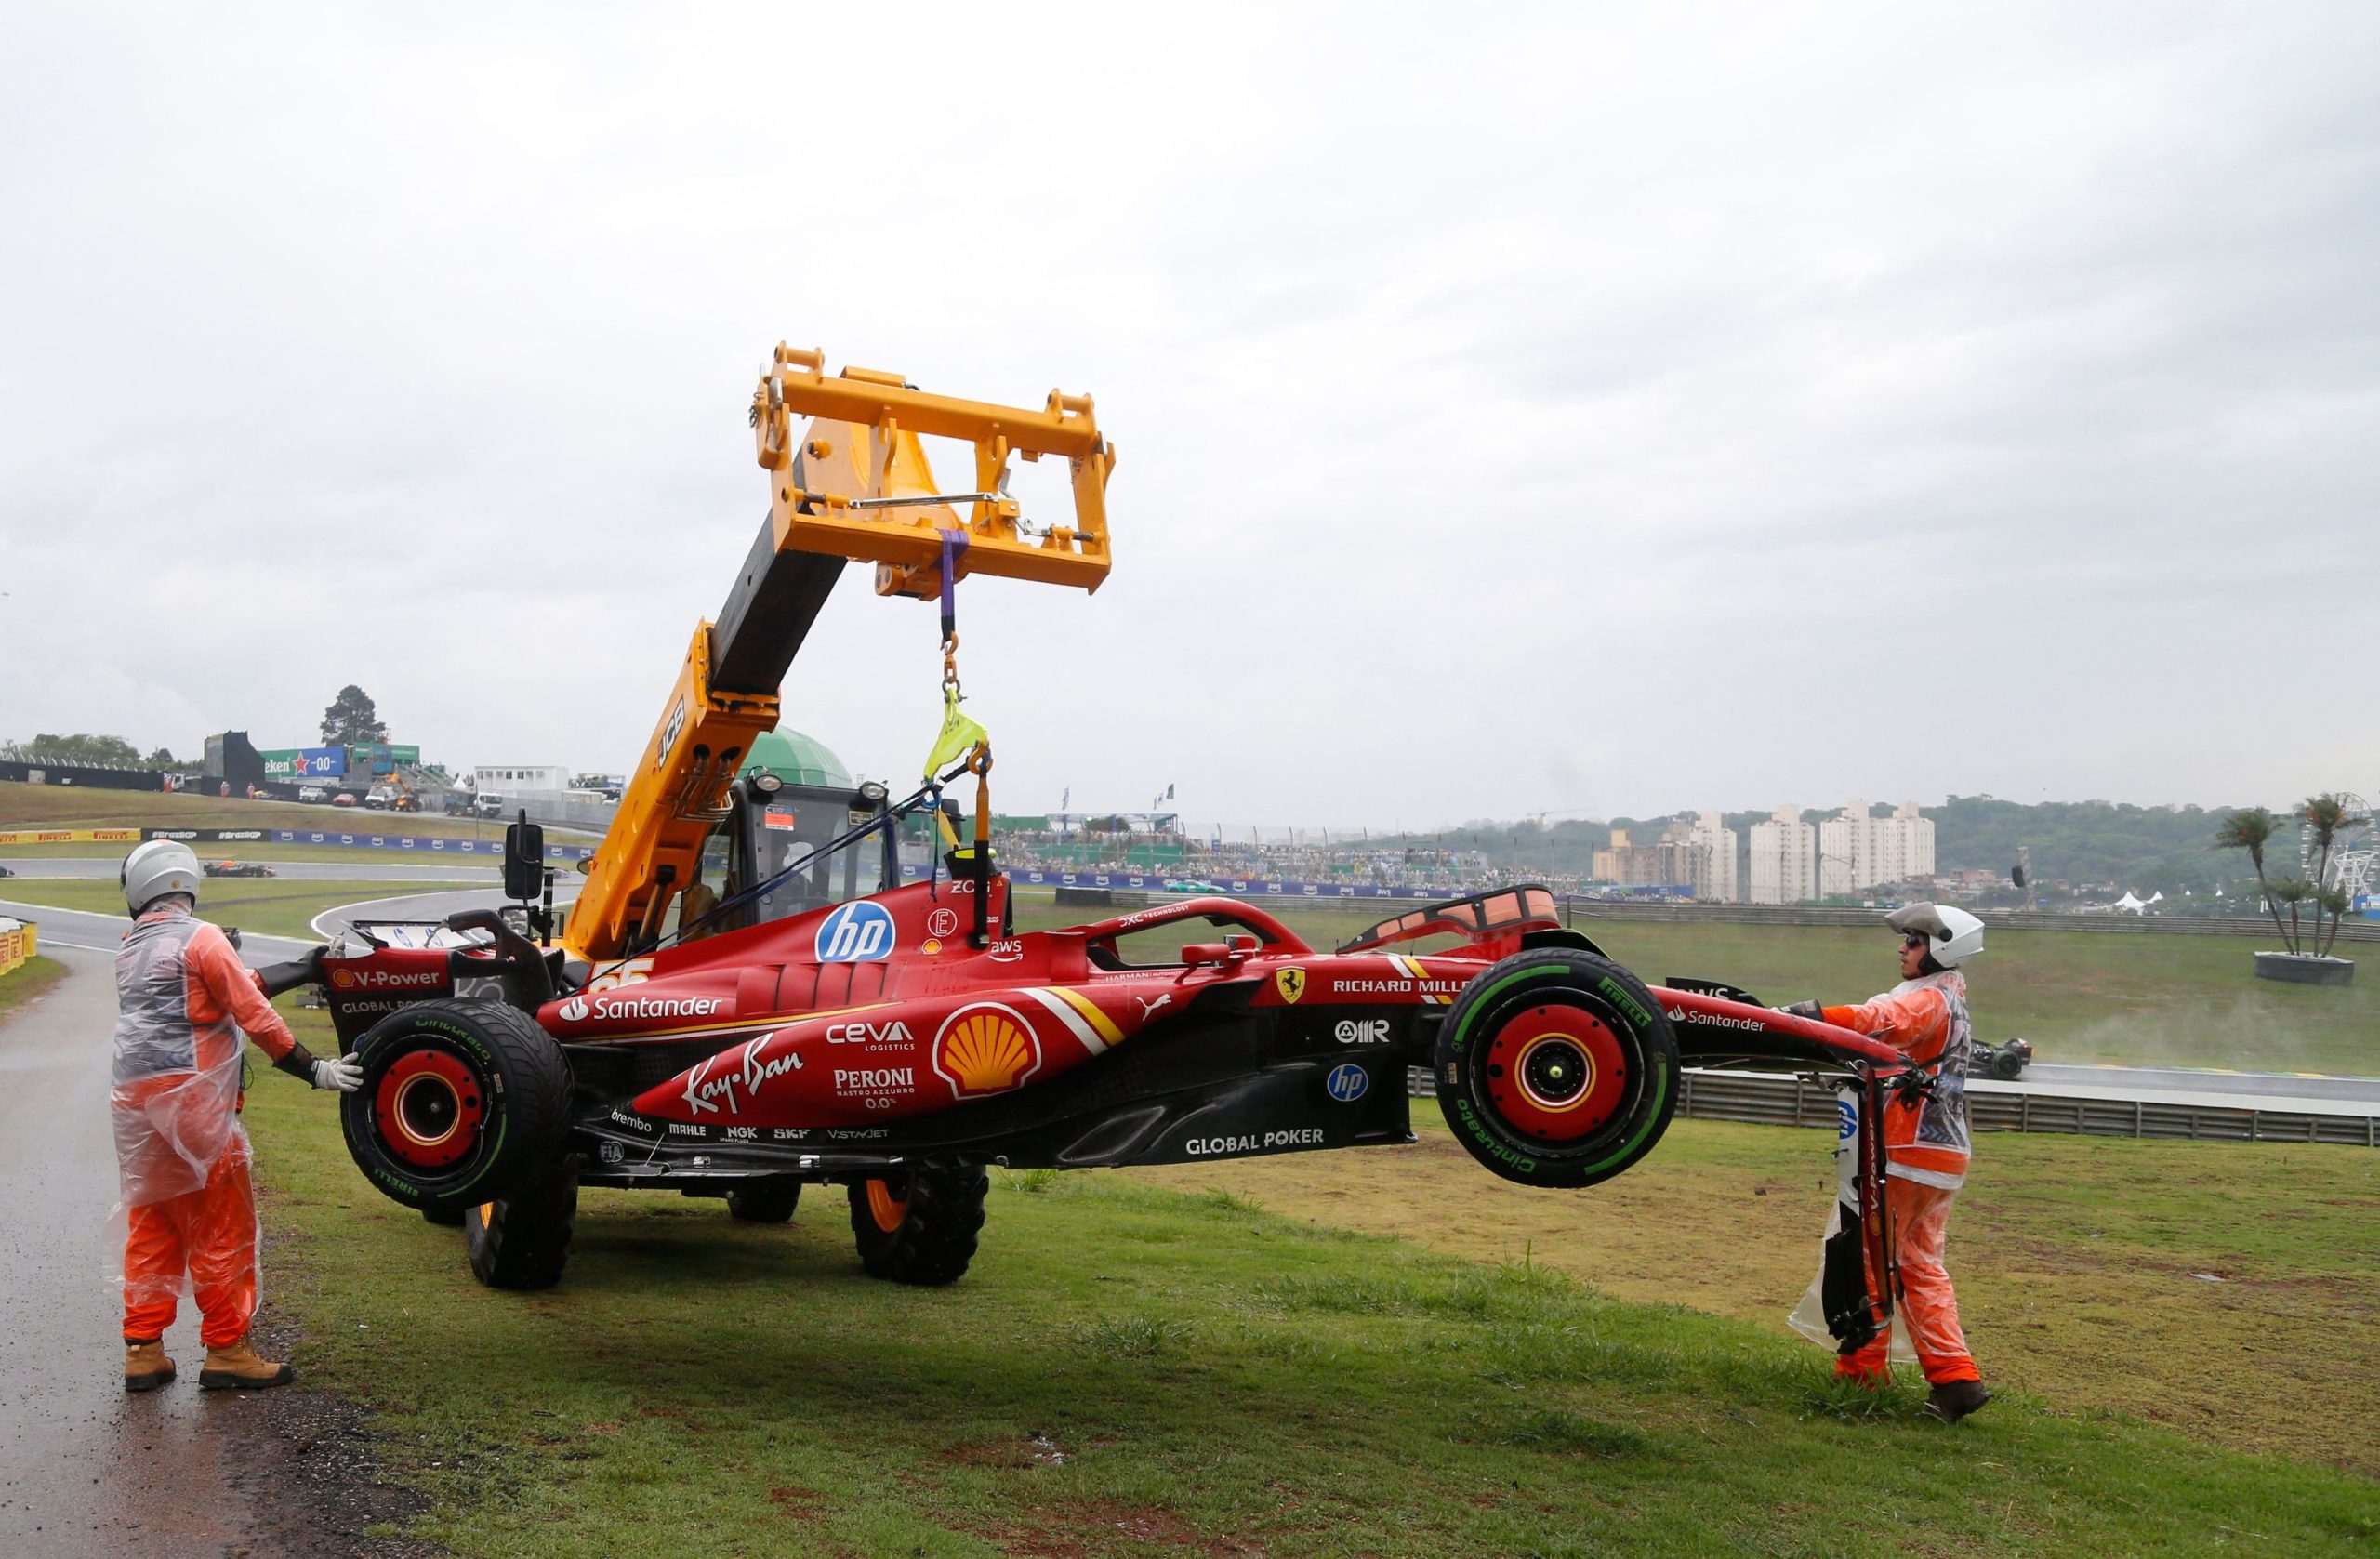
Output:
(1291, 983)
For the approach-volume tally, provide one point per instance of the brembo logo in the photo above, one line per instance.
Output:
(612, 1008)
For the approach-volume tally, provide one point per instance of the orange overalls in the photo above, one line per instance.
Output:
(1926, 1148)
(183, 998)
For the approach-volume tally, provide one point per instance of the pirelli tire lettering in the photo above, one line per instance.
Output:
(1558, 1068)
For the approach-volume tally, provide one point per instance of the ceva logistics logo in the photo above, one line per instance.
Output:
(856, 932)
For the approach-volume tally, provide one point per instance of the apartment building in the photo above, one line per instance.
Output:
(1783, 859)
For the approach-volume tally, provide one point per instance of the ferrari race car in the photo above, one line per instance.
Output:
(236, 868)
(827, 1024)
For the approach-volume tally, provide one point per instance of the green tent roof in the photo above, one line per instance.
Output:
(796, 758)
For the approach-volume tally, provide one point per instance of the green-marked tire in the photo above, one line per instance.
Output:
(1558, 1068)
(460, 1101)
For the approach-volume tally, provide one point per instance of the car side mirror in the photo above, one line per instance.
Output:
(1199, 954)
(524, 861)
(1241, 944)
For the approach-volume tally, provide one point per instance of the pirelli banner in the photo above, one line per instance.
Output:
(18, 940)
(74, 836)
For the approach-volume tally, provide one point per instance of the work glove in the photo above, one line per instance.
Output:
(344, 1075)
(1809, 1010)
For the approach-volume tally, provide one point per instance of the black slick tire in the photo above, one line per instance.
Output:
(520, 1240)
(1630, 1082)
(920, 1228)
(764, 1201)
(444, 1217)
(459, 1100)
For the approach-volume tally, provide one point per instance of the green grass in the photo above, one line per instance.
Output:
(1130, 1369)
(273, 906)
(66, 806)
(2229, 1291)
(27, 981)
(2080, 997)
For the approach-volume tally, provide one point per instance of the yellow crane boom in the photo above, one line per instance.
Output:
(855, 486)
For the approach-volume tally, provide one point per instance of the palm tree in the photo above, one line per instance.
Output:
(2326, 815)
(2336, 900)
(2293, 892)
(2251, 828)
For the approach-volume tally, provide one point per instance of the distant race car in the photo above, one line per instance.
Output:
(236, 868)
(2004, 1063)
(6, 872)
(344, 798)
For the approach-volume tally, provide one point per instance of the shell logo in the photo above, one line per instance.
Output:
(342, 979)
(985, 1049)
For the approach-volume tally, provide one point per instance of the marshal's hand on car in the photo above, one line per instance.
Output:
(343, 1076)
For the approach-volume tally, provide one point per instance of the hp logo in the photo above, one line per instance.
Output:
(857, 933)
(1348, 1081)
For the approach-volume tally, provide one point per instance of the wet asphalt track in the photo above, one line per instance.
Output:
(84, 1468)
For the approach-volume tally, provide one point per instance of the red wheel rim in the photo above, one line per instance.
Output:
(1555, 1072)
(428, 1108)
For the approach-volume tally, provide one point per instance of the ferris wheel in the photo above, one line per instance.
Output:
(2355, 860)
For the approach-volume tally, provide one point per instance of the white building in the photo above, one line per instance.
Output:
(1714, 860)
(1784, 859)
(1857, 850)
(521, 779)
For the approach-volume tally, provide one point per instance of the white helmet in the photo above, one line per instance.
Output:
(159, 867)
(1952, 935)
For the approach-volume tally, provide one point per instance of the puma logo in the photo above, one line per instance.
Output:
(1149, 1007)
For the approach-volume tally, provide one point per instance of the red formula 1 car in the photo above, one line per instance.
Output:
(236, 868)
(836, 1028)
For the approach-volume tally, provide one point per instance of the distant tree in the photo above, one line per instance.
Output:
(80, 747)
(352, 719)
(2251, 828)
(161, 758)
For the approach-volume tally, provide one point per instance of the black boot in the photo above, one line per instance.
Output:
(1953, 1400)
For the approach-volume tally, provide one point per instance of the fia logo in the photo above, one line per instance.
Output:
(1348, 1082)
(1291, 983)
(856, 932)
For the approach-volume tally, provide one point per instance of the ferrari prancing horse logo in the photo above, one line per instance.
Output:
(1291, 983)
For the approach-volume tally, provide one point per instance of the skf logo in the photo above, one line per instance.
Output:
(856, 932)
(1291, 983)
(985, 1049)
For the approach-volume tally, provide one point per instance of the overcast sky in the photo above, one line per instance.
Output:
(1582, 409)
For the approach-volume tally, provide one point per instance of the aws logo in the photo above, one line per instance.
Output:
(985, 1049)
(856, 932)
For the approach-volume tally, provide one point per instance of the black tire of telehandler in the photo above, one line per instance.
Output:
(515, 1075)
(764, 1201)
(520, 1240)
(933, 1220)
(1507, 993)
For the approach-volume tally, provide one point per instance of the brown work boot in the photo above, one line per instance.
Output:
(238, 1368)
(145, 1364)
(1953, 1400)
